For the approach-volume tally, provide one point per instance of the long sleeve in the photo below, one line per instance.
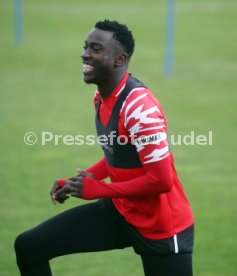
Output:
(144, 122)
(158, 179)
(149, 194)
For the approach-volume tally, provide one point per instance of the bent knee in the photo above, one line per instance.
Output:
(20, 243)
(25, 246)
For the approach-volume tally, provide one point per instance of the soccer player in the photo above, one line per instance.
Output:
(144, 206)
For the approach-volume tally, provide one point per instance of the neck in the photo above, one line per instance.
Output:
(107, 88)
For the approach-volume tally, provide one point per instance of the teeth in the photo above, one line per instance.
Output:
(86, 68)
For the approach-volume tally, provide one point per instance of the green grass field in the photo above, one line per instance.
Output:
(41, 89)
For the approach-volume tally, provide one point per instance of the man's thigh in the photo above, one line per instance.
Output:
(168, 265)
(86, 228)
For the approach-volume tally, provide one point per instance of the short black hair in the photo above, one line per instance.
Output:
(121, 33)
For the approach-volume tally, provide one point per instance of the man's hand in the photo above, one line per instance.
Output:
(84, 173)
(57, 198)
(73, 187)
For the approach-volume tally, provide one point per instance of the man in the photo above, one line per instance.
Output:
(144, 206)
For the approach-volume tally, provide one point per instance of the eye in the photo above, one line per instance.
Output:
(93, 47)
(96, 48)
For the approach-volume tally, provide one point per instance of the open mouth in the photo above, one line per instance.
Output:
(86, 68)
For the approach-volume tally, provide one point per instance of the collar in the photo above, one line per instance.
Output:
(117, 90)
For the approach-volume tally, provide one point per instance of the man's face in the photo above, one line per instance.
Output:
(98, 58)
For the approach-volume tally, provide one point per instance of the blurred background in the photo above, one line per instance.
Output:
(41, 89)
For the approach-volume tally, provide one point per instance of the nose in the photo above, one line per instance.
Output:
(85, 54)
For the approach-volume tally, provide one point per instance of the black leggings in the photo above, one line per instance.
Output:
(87, 228)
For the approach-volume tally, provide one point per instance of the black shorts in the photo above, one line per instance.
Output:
(181, 243)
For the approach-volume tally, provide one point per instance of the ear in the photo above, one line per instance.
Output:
(121, 60)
